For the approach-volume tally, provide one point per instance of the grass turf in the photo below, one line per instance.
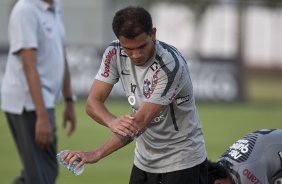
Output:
(222, 125)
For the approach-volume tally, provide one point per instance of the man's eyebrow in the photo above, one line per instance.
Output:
(141, 46)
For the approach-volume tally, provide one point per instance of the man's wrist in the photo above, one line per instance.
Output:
(125, 139)
(70, 99)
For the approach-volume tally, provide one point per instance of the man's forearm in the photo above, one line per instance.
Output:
(67, 91)
(97, 111)
(113, 144)
(125, 139)
(28, 57)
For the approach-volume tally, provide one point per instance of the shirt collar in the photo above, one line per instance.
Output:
(44, 5)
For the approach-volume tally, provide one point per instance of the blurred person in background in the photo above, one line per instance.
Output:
(256, 158)
(36, 74)
(170, 146)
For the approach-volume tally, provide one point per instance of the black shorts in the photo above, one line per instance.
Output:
(195, 175)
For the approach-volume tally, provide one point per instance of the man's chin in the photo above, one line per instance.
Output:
(139, 62)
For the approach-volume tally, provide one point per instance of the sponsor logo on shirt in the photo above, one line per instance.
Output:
(241, 149)
(122, 53)
(154, 66)
(133, 87)
(107, 62)
(182, 100)
(159, 118)
(131, 100)
(124, 73)
(251, 176)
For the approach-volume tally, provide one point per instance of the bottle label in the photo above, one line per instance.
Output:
(71, 168)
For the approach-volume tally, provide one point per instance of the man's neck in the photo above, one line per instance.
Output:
(230, 179)
(50, 2)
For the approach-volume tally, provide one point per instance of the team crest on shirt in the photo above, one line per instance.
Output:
(146, 88)
(150, 83)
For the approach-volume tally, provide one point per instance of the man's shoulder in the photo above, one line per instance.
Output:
(165, 51)
(23, 8)
(114, 48)
(164, 45)
(24, 5)
(114, 43)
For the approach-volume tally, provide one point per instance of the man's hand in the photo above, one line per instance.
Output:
(69, 117)
(124, 126)
(81, 156)
(43, 131)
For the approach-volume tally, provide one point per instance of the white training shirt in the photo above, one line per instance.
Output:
(34, 24)
(174, 140)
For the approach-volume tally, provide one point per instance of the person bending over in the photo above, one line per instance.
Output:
(256, 158)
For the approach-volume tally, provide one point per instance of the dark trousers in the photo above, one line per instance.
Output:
(39, 165)
(194, 175)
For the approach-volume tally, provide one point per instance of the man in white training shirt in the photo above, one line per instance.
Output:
(36, 74)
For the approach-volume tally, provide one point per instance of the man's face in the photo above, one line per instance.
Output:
(49, 1)
(139, 49)
(226, 180)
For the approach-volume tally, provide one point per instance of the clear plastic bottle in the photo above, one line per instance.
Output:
(71, 168)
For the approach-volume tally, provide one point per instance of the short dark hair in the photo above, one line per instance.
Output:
(132, 21)
(216, 171)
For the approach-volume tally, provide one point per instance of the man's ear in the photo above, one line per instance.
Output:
(153, 34)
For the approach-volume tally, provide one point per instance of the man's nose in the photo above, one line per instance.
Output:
(135, 53)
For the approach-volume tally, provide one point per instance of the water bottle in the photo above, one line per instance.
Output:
(71, 168)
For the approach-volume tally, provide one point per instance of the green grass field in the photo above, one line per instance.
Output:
(222, 124)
